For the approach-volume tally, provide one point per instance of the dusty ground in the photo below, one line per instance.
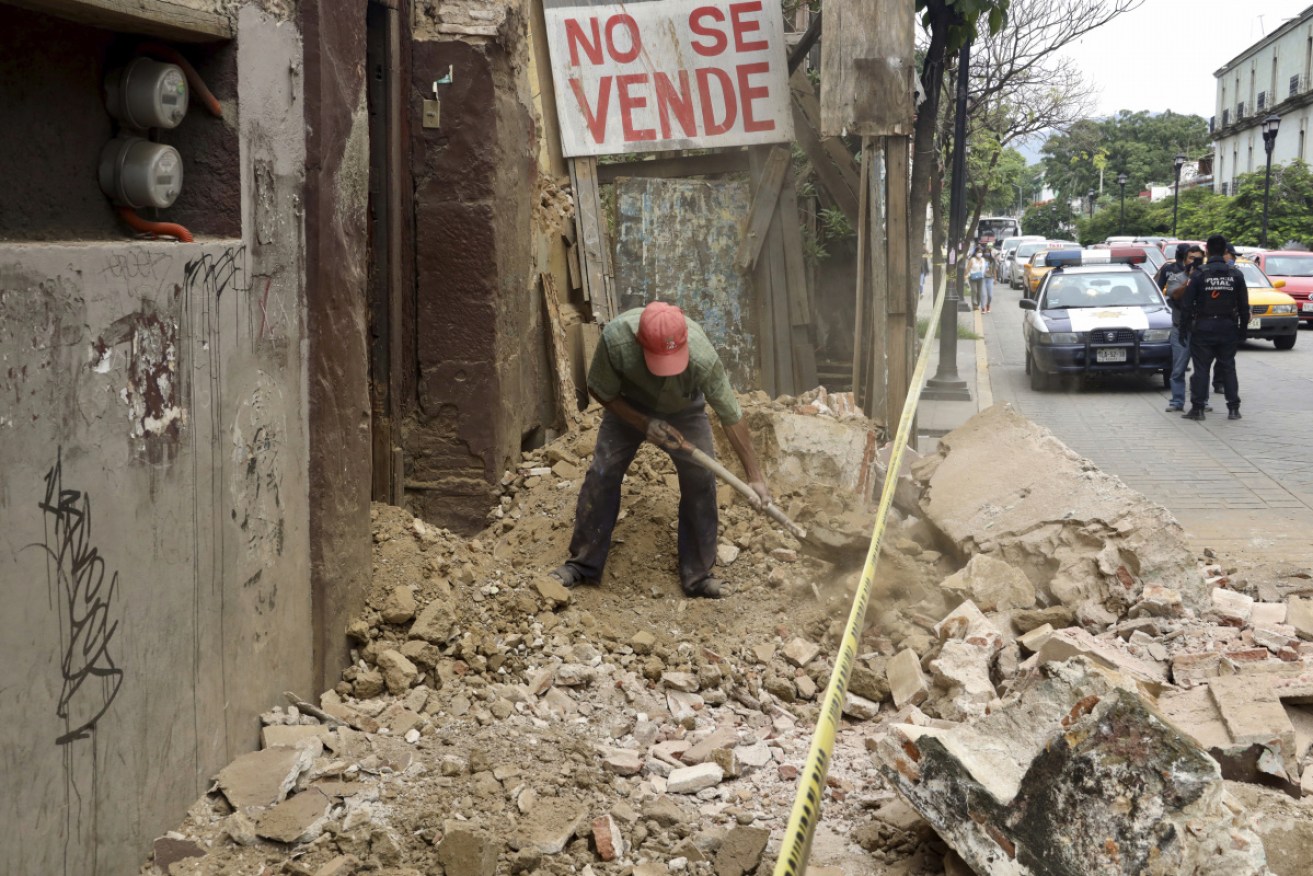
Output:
(502, 725)
(493, 758)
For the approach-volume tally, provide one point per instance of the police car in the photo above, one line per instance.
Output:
(1096, 312)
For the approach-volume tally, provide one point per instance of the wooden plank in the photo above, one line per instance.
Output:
(765, 197)
(761, 301)
(572, 267)
(877, 386)
(799, 305)
(859, 302)
(160, 18)
(834, 164)
(595, 250)
(566, 403)
(902, 282)
(710, 164)
(868, 66)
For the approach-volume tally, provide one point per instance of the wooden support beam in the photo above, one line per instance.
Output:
(868, 66)
(765, 198)
(795, 274)
(710, 164)
(903, 291)
(834, 164)
(595, 248)
(859, 301)
(566, 405)
(877, 369)
(160, 18)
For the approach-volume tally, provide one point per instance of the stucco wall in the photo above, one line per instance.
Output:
(153, 487)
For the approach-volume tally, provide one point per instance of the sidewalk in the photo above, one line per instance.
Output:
(935, 417)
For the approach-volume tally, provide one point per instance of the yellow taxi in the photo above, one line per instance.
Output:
(1273, 315)
(1035, 270)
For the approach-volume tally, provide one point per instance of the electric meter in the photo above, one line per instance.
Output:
(147, 94)
(138, 173)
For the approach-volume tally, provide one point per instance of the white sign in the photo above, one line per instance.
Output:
(669, 74)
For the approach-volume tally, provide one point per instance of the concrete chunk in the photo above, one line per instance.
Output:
(1232, 607)
(1074, 775)
(436, 623)
(690, 780)
(907, 683)
(608, 839)
(1033, 640)
(1074, 642)
(1299, 614)
(549, 827)
(297, 819)
(1253, 714)
(741, 851)
(398, 672)
(991, 584)
(263, 778)
(800, 652)
(466, 852)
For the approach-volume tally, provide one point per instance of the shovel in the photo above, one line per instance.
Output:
(833, 547)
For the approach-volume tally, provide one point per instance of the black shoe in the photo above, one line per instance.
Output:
(1175, 408)
(1195, 414)
(707, 588)
(569, 576)
(1233, 413)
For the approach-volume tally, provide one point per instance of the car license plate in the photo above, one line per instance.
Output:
(1255, 324)
(1115, 355)
(1308, 306)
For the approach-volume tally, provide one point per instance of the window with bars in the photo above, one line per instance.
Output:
(1240, 110)
(1226, 117)
(1262, 100)
(1212, 124)
(1224, 189)
(1294, 85)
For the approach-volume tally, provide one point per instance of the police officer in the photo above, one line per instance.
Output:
(1214, 313)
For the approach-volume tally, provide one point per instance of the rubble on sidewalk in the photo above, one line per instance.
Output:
(490, 723)
(1073, 774)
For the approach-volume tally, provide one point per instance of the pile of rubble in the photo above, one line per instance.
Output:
(1050, 679)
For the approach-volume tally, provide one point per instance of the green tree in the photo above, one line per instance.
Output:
(1290, 208)
(1053, 219)
(1091, 152)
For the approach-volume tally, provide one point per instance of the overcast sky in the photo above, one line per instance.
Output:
(1135, 63)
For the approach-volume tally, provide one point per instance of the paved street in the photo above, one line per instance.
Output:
(1244, 485)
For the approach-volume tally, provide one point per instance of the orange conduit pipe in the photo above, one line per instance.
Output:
(161, 229)
(198, 88)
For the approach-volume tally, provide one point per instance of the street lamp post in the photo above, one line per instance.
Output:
(1177, 163)
(1091, 203)
(1270, 126)
(1021, 200)
(946, 385)
(1121, 184)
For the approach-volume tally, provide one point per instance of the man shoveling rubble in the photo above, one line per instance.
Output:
(655, 372)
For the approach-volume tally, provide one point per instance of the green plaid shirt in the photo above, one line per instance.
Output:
(618, 369)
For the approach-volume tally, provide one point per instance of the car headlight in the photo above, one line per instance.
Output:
(1062, 338)
(1285, 308)
(1156, 336)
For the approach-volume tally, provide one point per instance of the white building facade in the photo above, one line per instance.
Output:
(1275, 75)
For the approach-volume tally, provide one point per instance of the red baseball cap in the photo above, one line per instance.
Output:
(663, 335)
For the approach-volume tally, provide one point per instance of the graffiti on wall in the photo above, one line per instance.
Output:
(84, 592)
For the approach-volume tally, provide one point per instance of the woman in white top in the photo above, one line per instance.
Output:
(976, 274)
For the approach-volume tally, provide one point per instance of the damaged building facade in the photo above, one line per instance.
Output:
(191, 432)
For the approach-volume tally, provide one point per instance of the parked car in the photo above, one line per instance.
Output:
(1017, 276)
(1274, 316)
(1006, 249)
(1167, 246)
(1295, 270)
(1096, 319)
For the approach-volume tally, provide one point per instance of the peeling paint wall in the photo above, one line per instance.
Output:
(677, 241)
(153, 486)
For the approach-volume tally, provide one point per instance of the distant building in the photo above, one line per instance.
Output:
(1274, 75)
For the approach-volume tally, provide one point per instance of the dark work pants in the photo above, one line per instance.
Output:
(1214, 340)
(599, 499)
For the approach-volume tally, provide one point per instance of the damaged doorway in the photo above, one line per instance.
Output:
(387, 290)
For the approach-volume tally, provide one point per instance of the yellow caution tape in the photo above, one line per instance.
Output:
(811, 783)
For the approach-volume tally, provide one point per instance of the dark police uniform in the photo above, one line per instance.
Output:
(1214, 313)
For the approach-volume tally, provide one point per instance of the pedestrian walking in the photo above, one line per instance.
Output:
(1172, 278)
(987, 283)
(1214, 313)
(976, 274)
(925, 271)
(655, 372)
